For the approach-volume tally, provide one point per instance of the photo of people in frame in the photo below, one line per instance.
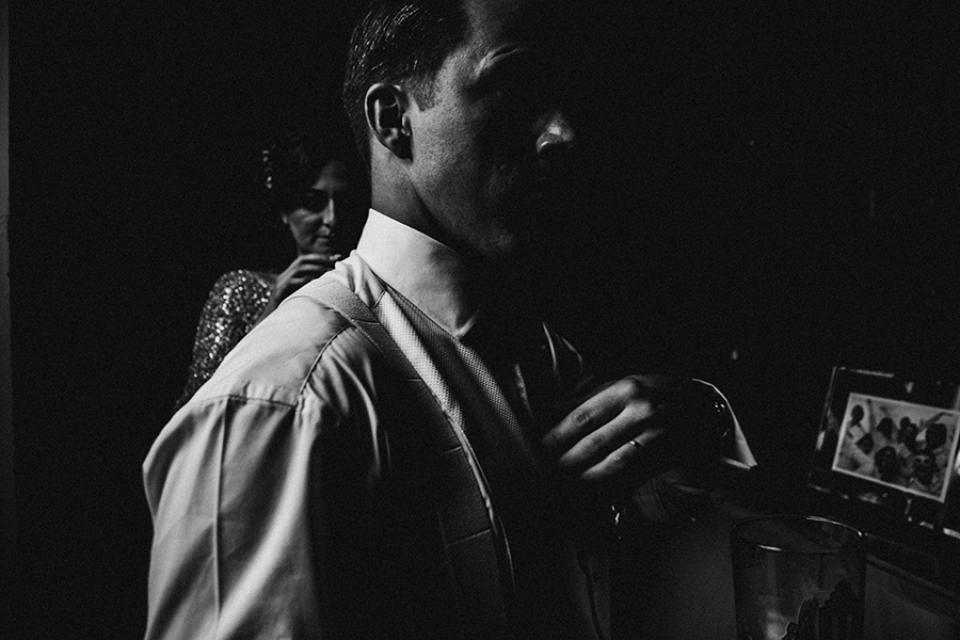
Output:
(899, 444)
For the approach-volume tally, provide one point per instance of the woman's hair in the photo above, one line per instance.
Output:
(291, 165)
(886, 427)
(936, 435)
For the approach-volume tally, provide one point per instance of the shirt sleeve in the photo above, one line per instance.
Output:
(231, 556)
(677, 494)
(256, 532)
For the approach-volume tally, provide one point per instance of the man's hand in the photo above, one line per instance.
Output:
(606, 433)
(654, 445)
(637, 427)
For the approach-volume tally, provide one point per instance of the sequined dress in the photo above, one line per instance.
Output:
(232, 308)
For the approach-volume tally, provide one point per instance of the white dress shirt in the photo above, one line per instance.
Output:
(231, 480)
(262, 486)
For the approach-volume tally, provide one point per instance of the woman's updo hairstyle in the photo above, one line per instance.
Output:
(290, 166)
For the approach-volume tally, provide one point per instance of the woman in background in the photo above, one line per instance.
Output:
(310, 189)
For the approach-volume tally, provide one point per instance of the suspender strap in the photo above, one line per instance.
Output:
(476, 557)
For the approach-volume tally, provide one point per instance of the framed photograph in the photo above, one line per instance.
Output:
(901, 445)
(890, 441)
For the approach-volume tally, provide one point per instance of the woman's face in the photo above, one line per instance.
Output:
(323, 222)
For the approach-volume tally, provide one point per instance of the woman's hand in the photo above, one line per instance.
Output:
(302, 270)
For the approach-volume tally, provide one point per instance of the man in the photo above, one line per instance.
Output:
(394, 452)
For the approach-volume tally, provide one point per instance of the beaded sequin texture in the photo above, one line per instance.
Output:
(235, 302)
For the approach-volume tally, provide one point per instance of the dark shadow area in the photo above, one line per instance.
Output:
(762, 192)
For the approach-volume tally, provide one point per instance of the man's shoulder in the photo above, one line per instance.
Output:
(302, 345)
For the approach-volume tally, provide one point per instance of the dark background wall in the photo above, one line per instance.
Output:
(764, 192)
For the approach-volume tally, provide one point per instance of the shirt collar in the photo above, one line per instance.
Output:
(426, 272)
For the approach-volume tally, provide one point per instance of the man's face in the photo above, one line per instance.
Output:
(886, 460)
(484, 153)
(908, 434)
(923, 466)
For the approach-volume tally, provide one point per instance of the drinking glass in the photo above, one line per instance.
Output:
(798, 577)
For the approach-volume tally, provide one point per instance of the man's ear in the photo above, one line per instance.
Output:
(386, 108)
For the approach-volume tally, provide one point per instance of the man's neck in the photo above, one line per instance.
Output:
(485, 282)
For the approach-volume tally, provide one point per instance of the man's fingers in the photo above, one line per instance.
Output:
(614, 464)
(580, 422)
(595, 445)
(605, 405)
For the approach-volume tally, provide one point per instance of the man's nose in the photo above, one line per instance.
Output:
(556, 134)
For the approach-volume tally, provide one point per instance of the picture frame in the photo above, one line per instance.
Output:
(891, 442)
(897, 444)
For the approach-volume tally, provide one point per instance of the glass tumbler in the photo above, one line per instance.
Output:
(798, 578)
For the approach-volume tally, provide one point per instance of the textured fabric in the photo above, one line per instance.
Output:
(312, 489)
(428, 273)
(550, 550)
(482, 366)
(304, 492)
(233, 306)
(473, 540)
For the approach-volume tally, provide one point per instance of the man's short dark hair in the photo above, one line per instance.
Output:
(399, 41)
